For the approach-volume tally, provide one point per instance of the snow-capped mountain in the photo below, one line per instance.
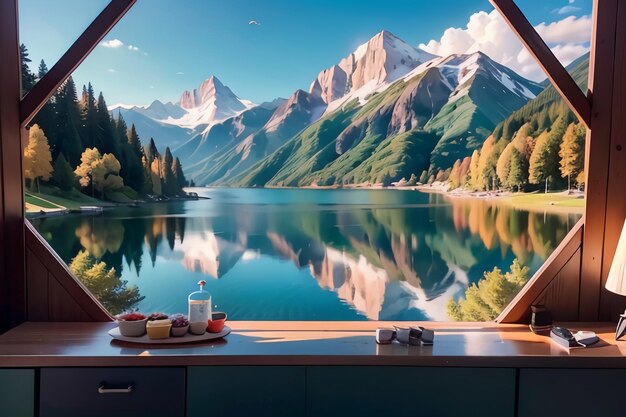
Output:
(210, 103)
(172, 124)
(376, 63)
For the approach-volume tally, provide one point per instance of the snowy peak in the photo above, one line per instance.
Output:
(161, 111)
(382, 59)
(210, 89)
(208, 104)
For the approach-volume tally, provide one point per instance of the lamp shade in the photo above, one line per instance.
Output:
(616, 281)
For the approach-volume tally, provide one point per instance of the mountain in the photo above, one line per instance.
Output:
(381, 60)
(436, 113)
(385, 111)
(211, 102)
(485, 92)
(288, 119)
(149, 126)
(175, 124)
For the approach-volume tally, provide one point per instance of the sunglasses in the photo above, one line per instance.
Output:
(414, 336)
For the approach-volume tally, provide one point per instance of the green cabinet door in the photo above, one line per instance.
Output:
(17, 392)
(572, 392)
(256, 391)
(364, 391)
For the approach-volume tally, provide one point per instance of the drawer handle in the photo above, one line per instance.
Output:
(102, 389)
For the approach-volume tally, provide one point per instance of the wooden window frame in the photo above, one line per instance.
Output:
(592, 233)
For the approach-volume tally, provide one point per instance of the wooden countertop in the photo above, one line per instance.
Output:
(331, 343)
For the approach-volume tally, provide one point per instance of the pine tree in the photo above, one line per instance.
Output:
(28, 78)
(572, 152)
(46, 116)
(109, 138)
(133, 170)
(37, 157)
(68, 122)
(135, 142)
(90, 134)
(167, 174)
(179, 175)
(63, 175)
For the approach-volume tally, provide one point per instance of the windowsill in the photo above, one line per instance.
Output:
(307, 343)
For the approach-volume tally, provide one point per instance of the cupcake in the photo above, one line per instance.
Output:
(132, 324)
(180, 325)
(158, 326)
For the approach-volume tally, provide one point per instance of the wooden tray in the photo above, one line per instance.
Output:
(188, 338)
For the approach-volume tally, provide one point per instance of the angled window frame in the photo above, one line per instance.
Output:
(588, 232)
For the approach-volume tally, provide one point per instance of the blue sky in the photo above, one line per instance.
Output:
(178, 44)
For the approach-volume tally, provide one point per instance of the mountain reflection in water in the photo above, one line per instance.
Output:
(311, 254)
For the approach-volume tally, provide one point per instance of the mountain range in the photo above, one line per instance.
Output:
(387, 110)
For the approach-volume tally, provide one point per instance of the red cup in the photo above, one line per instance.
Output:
(217, 321)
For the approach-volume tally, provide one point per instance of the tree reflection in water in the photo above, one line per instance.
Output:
(385, 261)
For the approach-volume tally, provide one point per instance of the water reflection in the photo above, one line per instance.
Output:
(383, 255)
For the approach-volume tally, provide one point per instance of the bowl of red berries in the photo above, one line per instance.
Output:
(132, 324)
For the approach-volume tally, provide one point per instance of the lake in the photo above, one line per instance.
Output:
(304, 254)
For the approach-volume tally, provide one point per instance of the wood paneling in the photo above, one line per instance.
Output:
(12, 282)
(54, 293)
(612, 305)
(601, 69)
(562, 264)
(561, 296)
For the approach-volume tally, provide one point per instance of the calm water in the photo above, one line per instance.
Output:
(272, 254)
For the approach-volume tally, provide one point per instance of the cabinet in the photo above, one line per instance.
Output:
(260, 391)
(106, 392)
(17, 392)
(361, 391)
(583, 392)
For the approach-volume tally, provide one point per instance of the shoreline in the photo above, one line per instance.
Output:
(554, 202)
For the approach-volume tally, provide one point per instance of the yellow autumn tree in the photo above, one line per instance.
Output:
(101, 172)
(37, 157)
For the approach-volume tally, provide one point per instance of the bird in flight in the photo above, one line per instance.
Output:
(254, 22)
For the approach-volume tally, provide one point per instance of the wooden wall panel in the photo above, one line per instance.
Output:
(37, 288)
(54, 294)
(561, 296)
(598, 151)
(12, 280)
(612, 305)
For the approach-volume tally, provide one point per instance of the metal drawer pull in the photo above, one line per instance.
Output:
(103, 390)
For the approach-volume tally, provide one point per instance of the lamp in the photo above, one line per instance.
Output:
(616, 281)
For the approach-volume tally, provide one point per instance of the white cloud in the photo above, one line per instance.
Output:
(488, 32)
(111, 70)
(145, 54)
(572, 1)
(254, 22)
(133, 48)
(112, 43)
(566, 10)
(180, 73)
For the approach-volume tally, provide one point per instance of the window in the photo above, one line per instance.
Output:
(378, 170)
